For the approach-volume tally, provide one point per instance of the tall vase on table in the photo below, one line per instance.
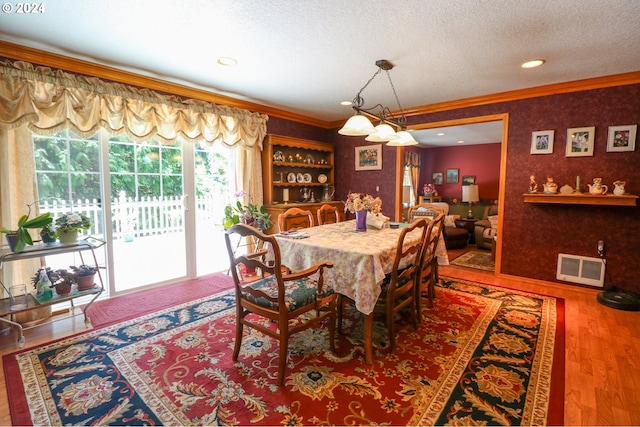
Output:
(361, 220)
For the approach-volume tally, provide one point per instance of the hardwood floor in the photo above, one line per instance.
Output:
(602, 351)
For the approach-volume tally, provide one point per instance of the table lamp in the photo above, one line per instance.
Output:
(470, 194)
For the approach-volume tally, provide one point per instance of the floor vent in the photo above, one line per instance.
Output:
(581, 269)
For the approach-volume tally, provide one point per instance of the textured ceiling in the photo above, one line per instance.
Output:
(305, 56)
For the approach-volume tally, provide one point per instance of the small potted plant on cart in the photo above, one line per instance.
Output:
(85, 275)
(61, 280)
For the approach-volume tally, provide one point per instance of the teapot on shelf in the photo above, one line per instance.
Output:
(597, 187)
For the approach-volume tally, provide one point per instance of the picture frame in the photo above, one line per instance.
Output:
(468, 179)
(437, 178)
(580, 141)
(622, 138)
(542, 142)
(369, 157)
(452, 176)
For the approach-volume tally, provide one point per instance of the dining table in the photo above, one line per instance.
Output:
(361, 260)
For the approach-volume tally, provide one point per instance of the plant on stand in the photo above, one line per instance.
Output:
(20, 237)
(250, 214)
(84, 276)
(70, 224)
(48, 234)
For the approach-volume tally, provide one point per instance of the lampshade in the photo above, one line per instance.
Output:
(470, 193)
(383, 133)
(357, 125)
(404, 139)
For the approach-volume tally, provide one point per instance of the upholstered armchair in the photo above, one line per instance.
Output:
(486, 229)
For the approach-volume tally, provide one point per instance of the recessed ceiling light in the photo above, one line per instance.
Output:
(533, 64)
(227, 61)
(346, 103)
(440, 133)
(461, 142)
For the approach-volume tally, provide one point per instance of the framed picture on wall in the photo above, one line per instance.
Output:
(437, 178)
(452, 176)
(580, 141)
(622, 138)
(468, 180)
(369, 157)
(542, 142)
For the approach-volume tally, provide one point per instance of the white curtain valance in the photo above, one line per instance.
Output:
(52, 100)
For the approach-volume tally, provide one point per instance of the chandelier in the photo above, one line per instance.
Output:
(360, 125)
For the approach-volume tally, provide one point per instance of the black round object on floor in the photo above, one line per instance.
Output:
(619, 300)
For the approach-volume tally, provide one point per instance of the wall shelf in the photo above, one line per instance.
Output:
(582, 199)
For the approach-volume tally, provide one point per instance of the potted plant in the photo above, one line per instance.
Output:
(20, 237)
(68, 225)
(48, 234)
(250, 214)
(84, 276)
(61, 280)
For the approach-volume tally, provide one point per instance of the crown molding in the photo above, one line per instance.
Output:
(40, 57)
(52, 60)
(515, 95)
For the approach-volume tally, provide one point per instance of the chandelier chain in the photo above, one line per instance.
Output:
(402, 119)
(358, 101)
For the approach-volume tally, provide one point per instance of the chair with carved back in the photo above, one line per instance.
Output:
(276, 296)
(399, 286)
(327, 214)
(295, 219)
(428, 273)
(424, 210)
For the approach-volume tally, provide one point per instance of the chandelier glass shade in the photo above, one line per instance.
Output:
(357, 125)
(360, 125)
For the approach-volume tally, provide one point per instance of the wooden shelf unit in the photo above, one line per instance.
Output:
(582, 199)
(323, 164)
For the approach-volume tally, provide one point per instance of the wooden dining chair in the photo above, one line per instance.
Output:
(427, 210)
(428, 272)
(327, 214)
(398, 287)
(295, 219)
(280, 298)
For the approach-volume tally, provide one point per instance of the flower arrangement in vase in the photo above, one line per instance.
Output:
(68, 225)
(359, 201)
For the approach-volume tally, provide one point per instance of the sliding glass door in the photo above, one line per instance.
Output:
(163, 203)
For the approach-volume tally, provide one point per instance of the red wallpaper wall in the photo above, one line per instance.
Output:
(481, 161)
(533, 234)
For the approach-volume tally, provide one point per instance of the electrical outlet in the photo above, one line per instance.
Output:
(601, 247)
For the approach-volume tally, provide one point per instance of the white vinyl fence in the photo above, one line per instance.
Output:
(136, 218)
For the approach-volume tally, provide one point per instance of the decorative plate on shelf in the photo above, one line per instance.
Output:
(322, 178)
(300, 177)
(278, 156)
(291, 177)
(307, 177)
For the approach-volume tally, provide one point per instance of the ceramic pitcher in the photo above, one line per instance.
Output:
(618, 188)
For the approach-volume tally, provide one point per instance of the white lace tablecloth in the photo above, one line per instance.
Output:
(361, 259)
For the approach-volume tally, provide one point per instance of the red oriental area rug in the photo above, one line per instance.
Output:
(482, 355)
(125, 307)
